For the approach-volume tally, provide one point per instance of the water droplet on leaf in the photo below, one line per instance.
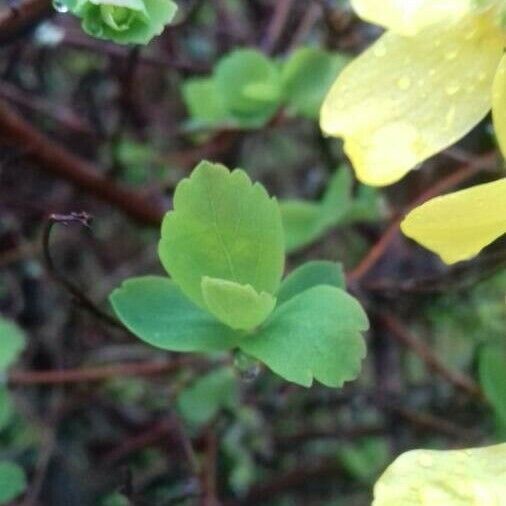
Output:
(247, 367)
(60, 6)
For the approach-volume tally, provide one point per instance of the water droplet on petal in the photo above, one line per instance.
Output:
(482, 76)
(60, 6)
(450, 117)
(404, 83)
(471, 34)
(451, 55)
(452, 88)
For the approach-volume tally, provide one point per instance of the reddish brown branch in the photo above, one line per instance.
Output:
(428, 357)
(458, 177)
(94, 374)
(56, 160)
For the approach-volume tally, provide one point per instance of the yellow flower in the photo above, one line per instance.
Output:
(435, 73)
(460, 225)
(471, 477)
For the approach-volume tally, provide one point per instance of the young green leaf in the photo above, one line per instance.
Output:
(337, 199)
(238, 306)
(365, 458)
(203, 101)
(200, 402)
(309, 275)
(300, 223)
(304, 222)
(123, 21)
(12, 481)
(249, 84)
(316, 334)
(492, 369)
(12, 343)
(115, 499)
(223, 227)
(307, 77)
(451, 478)
(156, 311)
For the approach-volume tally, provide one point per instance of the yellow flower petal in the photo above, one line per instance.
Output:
(408, 17)
(499, 105)
(473, 477)
(458, 226)
(406, 98)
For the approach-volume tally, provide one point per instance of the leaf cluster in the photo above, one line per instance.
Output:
(306, 221)
(223, 246)
(247, 88)
(122, 21)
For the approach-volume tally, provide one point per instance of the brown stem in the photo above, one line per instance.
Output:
(83, 219)
(428, 357)
(456, 178)
(97, 374)
(56, 160)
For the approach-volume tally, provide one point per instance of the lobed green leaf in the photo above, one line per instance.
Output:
(309, 275)
(156, 311)
(307, 76)
(314, 335)
(223, 227)
(238, 306)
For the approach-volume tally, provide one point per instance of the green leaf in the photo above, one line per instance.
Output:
(200, 402)
(223, 227)
(320, 272)
(12, 343)
(366, 458)
(238, 306)
(249, 84)
(123, 21)
(203, 101)
(337, 199)
(304, 222)
(300, 223)
(316, 334)
(492, 371)
(307, 76)
(445, 478)
(156, 311)
(5, 407)
(12, 481)
(115, 499)
(365, 208)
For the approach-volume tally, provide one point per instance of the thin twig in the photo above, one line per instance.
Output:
(101, 373)
(56, 160)
(456, 178)
(433, 363)
(277, 25)
(83, 219)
